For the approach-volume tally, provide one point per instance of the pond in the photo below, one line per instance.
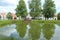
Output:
(30, 31)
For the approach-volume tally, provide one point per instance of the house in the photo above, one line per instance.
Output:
(28, 17)
(41, 17)
(13, 16)
(3, 16)
(54, 18)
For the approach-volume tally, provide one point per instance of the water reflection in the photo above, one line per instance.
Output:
(27, 37)
(58, 24)
(48, 31)
(41, 36)
(56, 35)
(35, 31)
(31, 31)
(7, 30)
(21, 28)
(9, 33)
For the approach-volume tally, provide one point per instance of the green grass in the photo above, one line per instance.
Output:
(7, 22)
(47, 21)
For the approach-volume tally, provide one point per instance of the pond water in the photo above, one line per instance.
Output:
(32, 31)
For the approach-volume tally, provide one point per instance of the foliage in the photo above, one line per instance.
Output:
(35, 30)
(58, 16)
(9, 16)
(21, 9)
(6, 22)
(21, 28)
(49, 9)
(35, 8)
(19, 22)
(48, 30)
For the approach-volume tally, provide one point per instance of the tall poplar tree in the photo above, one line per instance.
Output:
(49, 9)
(35, 8)
(21, 9)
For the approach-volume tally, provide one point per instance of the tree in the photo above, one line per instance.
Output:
(9, 16)
(0, 17)
(21, 9)
(58, 16)
(49, 9)
(35, 8)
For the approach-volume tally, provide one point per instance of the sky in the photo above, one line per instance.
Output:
(10, 5)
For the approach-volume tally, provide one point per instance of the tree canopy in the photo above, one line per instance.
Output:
(58, 16)
(21, 9)
(49, 9)
(9, 15)
(35, 8)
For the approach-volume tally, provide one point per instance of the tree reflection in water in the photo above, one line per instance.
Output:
(48, 30)
(21, 28)
(35, 30)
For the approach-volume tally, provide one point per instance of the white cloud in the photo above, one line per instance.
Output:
(8, 8)
(5, 9)
(14, 3)
(57, 3)
(27, 5)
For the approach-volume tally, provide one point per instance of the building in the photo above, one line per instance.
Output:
(41, 17)
(13, 16)
(54, 18)
(28, 17)
(3, 16)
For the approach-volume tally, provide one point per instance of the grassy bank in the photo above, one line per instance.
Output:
(47, 21)
(7, 22)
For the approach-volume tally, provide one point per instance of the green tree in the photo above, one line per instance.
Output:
(35, 8)
(58, 16)
(49, 9)
(21, 9)
(9, 16)
(0, 17)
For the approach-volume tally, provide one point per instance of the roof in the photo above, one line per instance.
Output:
(3, 14)
(13, 15)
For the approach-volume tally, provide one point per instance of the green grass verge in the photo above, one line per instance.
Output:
(7, 22)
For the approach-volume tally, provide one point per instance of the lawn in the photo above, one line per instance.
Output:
(7, 22)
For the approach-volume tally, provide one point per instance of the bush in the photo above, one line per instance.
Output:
(58, 16)
(9, 16)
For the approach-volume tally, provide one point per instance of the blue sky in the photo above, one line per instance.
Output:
(10, 5)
